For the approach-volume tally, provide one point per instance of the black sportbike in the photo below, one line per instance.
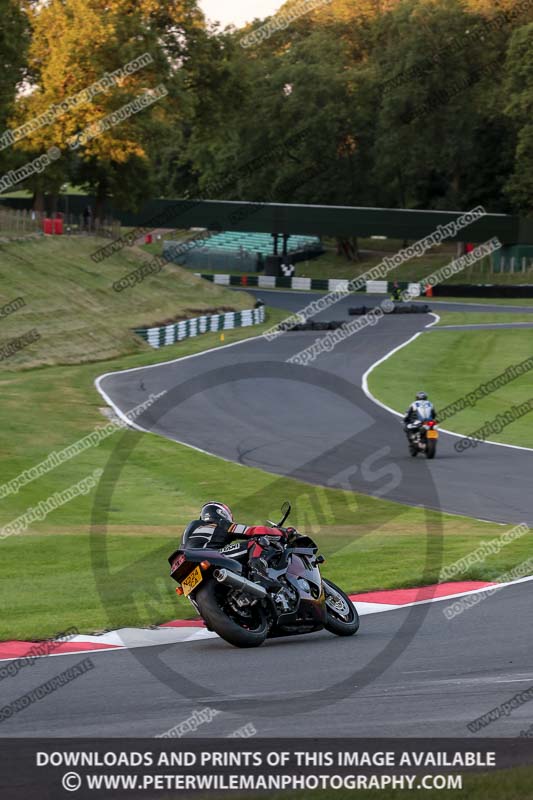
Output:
(243, 612)
(422, 437)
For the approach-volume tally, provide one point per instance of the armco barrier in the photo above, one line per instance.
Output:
(160, 336)
(483, 290)
(372, 287)
(271, 282)
(301, 284)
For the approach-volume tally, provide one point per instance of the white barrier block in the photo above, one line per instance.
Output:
(414, 289)
(175, 332)
(169, 334)
(181, 330)
(376, 287)
(267, 281)
(222, 279)
(301, 283)
(153, 337)
(337, 285)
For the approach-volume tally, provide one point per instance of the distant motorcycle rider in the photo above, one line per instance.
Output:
(396, 294)
(420, 410)
(216, 528)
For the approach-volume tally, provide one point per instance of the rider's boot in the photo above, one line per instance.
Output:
(258, 573)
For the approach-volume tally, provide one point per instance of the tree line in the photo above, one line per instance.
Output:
(404, 103)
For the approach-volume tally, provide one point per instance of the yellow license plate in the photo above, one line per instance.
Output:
(432, 435)
(191, 581)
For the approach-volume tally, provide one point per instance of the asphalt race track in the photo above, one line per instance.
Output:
(372, 684)
(246, 404)
(409, 672)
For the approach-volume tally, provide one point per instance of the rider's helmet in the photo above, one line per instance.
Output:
(213, 511)
(421, 396)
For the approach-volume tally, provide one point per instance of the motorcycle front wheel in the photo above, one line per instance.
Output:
(342, 616)
(246, 628)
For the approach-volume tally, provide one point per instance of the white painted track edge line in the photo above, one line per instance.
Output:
(494, 587)
(181, 358)
(368, 393)
(486, 325)
(230, 461)
(491, 587)
(137, 427)
(73, 653)
(503, 306)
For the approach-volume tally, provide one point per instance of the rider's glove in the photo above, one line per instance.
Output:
(291, 533)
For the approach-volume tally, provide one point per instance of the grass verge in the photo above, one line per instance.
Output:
(81, 569)
(112, 575)
(70, 301)
(453, 363)
(481, 318)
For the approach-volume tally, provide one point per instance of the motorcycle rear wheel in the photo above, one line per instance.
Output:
(342, 616)
(431, 448)
(210, 602)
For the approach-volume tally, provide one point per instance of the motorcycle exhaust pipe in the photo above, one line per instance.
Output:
(238, 582)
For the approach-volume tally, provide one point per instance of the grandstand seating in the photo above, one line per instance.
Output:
(236, 250)
(235, 241)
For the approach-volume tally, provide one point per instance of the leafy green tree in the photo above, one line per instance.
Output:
(380, 102)
(13, 47)
(210, 87)
(519, 108)
(439, 117)
(260, 98)
(75, 43)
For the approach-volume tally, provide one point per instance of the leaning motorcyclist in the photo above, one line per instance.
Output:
(216, 527)
(420, 410)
